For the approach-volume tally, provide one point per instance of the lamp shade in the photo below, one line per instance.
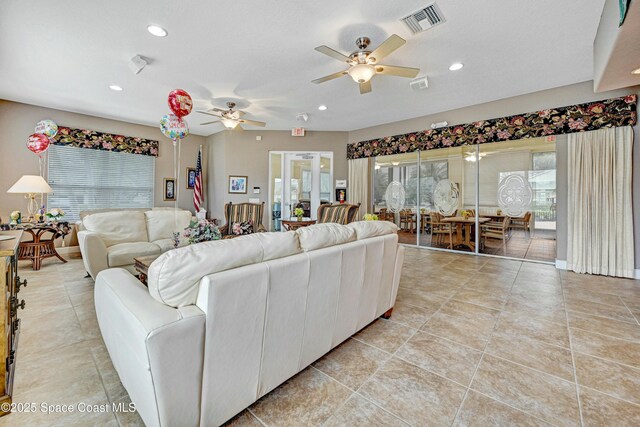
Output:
(30, 184)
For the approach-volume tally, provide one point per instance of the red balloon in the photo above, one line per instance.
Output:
(180, 102)
(38, 143)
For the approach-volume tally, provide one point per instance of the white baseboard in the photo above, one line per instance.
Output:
(561, 264)
(66, 250)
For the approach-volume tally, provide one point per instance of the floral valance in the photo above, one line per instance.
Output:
(82, 138)
(575, 118)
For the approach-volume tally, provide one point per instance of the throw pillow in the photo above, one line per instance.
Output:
(242, 228)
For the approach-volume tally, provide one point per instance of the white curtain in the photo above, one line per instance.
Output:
(359, 184)
(600, 215)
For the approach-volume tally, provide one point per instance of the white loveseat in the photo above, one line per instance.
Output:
(114, 238)
(223, 323)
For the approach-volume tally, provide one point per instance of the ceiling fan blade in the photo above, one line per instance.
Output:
(208, 123)
(333, 53)
(238, 128)
(208, 113)
(392, 70)
(252, 122)
(386, 48)
(330, 77)
(365, 87)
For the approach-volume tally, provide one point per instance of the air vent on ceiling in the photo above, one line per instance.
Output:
(424, 19)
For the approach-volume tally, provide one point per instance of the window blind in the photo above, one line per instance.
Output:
(84, 179)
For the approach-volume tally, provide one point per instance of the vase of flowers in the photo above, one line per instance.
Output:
(466, 214)
(298, 212)
(54, 214)
(370, 217)
(201, 231)
(16, 217)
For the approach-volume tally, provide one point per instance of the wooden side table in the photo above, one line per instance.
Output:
(39, 248)
(142, 264)
(293, 223)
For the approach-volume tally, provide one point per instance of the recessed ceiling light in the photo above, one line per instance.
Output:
(456, 66)
(322, 107)
(636, 71)
(157, 31)
(116, 88)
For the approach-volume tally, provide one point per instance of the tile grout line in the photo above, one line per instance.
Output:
(573, 358)
(475, 371)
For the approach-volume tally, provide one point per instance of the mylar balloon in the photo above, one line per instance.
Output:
(180, 102)
(47, 127)
(173, 126)
(38, 143)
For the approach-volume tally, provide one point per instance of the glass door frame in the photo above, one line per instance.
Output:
(285, 157)
(476, 217)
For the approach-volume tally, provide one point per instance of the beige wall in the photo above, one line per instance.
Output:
(562, 96)
(239, 153)
(18, 120)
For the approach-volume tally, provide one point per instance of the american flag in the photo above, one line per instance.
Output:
(198, 195)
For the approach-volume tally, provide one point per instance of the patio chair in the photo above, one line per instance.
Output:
(522, 222)
(440, 229)
(495, 230)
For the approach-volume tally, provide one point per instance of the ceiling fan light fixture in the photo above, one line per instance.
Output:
(229, 123)
(362, 73)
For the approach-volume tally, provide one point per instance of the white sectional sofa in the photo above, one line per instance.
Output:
(223, 323)
(112, 239)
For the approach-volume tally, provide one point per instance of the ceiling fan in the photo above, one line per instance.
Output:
(231, 119)
(364, 64)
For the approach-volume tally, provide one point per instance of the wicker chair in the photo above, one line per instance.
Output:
(242, 212)
(341, 213)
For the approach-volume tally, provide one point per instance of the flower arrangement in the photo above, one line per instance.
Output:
(370, 217)
(201, 231)
(299, 212)
(466, 214)
(55, 214)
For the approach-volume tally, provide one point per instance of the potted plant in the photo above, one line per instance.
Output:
(370, 217)
(298, 212)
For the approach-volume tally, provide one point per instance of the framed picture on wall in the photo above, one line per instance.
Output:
(237, 184)
(169, 194)
(191, 178)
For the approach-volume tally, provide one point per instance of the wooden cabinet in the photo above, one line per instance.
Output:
(10, 304)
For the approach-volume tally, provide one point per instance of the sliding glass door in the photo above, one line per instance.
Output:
(496, 198)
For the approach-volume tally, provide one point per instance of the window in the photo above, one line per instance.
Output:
(84, 179)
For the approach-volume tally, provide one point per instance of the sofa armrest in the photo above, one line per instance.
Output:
(157, 350)
(94, 252)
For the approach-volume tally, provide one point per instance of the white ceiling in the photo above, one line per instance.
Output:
(65, 54)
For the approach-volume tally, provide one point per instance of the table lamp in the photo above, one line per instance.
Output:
(31, 186)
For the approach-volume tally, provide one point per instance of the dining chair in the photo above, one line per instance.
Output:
(522, 222)
(495, 230)
(440, 229)
(406, 220)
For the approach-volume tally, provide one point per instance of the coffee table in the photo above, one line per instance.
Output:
(141, 264)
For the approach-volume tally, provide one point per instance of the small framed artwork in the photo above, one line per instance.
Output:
(169, 189)
(191, 178)
(237, 184)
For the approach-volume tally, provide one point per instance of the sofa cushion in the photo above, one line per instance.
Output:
(161, 223)
(277, 244)
(366, 229)
(123, 253)
(175, 276)
(118, 227)
(320, 236)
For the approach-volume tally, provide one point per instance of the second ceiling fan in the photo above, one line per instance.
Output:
(364, 64)
(231, 119)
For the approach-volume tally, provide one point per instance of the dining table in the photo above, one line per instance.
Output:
(464, 229)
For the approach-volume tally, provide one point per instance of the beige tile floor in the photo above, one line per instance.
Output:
(472, 341)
